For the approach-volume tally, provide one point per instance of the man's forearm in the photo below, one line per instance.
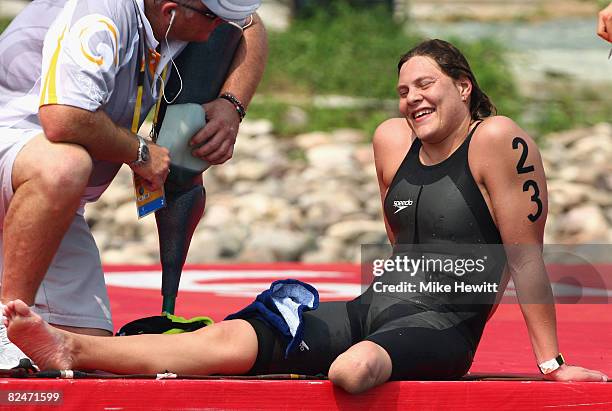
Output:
(94, 131)
(249, 63)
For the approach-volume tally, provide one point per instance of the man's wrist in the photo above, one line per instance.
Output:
(143, 154)
(238, 106)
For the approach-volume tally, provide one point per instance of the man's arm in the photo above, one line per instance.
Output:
(244, 76)
(604, 23)
(507, 161)
(103, 139)
(249, 63)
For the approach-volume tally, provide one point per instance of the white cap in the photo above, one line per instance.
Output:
(232, 10)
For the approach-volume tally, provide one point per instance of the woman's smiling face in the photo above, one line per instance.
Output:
(433, 103)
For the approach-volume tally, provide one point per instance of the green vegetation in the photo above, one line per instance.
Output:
(351, 52)
(345, 51)
(354, 52)
(565, 105)
(317, 118)
(4, 22)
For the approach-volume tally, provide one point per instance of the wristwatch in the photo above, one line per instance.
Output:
(551, 365)
(143, 152)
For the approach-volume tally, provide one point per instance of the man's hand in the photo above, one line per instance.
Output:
(215, 142)
(604, 24)
(574, 373)
(156, 169)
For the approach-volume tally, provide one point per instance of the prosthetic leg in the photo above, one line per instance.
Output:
(203, 68)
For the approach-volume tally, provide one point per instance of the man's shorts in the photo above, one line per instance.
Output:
(73, 292)
(11, 142)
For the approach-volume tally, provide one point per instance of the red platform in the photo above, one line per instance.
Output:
(585, 332)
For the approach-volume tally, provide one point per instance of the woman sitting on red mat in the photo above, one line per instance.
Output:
(450, 173)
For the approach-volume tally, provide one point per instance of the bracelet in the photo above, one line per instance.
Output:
(237, 104)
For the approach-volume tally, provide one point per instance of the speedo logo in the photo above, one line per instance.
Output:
(401, 204)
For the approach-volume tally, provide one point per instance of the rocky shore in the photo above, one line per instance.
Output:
(314, 198)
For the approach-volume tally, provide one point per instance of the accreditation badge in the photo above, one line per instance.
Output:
(147, 201)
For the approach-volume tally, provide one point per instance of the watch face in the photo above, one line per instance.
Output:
(144, 154)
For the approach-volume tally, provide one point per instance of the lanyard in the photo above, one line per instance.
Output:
(146, 201)
(141, 71)
(143, 62)
(138, 106)
(153, 134)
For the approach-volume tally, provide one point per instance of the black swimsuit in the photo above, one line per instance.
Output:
(432, 210)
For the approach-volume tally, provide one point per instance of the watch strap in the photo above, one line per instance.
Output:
(142, 143)
(549, 366)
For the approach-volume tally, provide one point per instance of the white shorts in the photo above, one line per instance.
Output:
(11, 142)
(73, 292)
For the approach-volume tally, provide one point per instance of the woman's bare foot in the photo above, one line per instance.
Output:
(49, 348)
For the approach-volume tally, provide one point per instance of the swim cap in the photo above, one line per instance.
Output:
(232, 10)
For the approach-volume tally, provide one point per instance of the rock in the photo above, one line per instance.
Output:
(564, 195)
(604, 181)
(310, 140)
(355, 230)
(576, 174)
(217, 216)
(102, 238)
(129, 253)
(331, 156)
(253, 255)
(94, 213)
(315, 198)
(231, 240)
(245, 169)
(584, 224)
(601, 198)
(256, 127)
(348, 135)
(204, 247)
(257, 207)
(296, 117)
(340, 202)
(365, 156)
(284, 245)
(251, 170)
(568, 138)
(584, 148)
(126, 214)
(146, 225)
(603, 129)
(328, 250)
(115, 195)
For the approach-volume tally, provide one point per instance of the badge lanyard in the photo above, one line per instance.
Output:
(147, 201)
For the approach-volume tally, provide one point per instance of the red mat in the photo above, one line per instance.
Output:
(585, 332)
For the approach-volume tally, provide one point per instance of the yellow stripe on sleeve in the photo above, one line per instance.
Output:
(49, 91)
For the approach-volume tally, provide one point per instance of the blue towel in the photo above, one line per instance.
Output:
(281, 307)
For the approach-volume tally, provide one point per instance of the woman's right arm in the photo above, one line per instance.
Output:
(391, 142)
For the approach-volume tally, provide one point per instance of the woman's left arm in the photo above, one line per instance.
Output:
(506, 161)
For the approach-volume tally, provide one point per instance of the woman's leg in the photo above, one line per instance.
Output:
(361, 367)
(229, 347)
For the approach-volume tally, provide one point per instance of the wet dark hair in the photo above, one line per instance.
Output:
(454, 64)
